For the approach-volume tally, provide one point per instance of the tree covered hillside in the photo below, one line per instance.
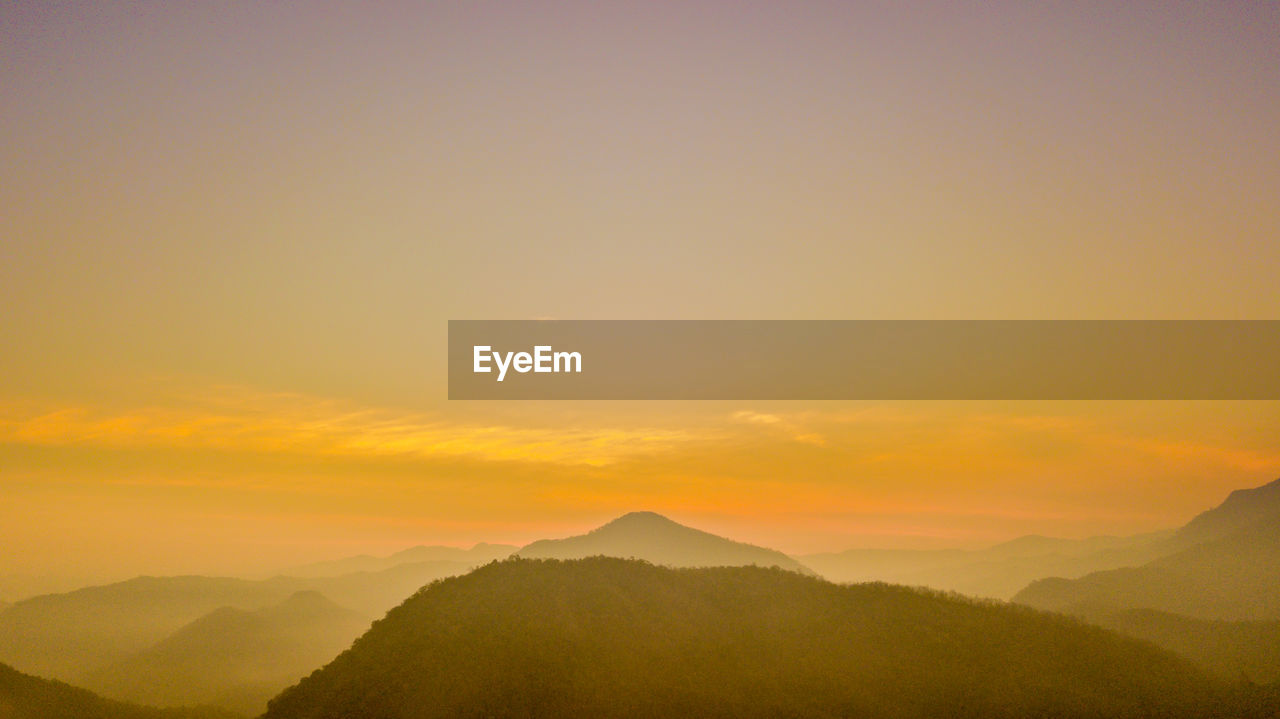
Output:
(623, 638)
(27, 697)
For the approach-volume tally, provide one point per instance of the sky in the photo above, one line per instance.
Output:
(232, 235)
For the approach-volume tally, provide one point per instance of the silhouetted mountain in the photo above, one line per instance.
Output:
(604, 637)
(479, 554)
(1229, 571)
(67, 636)
(654, 538)
(234, 658)
(1242, 510)
(998, 571)
(28, 697)
(1230, 650)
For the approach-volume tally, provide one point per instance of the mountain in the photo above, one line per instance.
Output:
(73, 635)
(60, 635)
(1212, 596)
(654, 538)
(479, 554)
(67, 636)
(234, 658)
(1242, 510)
(1236, 578)
(996, 572)
(606, 637)
(1230, 650)
(1227, 568)
(1241, 523)
(27, 697)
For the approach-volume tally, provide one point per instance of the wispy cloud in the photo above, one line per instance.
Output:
(238, 418)
(790, 426)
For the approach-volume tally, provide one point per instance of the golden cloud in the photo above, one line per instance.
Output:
(240, 419)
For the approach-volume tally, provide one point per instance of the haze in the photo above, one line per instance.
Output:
(232, 237)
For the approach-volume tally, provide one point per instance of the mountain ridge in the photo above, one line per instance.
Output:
(1241, 509)
(66, 636)
(234, 658)
(996, 572)
(613, 637)
(478, 553)
(1224, 565)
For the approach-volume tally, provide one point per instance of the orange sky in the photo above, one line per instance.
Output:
(232, 237)
(231, 479)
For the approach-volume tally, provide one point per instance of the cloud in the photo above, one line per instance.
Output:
(791, 426)
(755, 417)
(241, 419)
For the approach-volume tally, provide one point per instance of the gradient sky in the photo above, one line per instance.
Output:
(232, 235)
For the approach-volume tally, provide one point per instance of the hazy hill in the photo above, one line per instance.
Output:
(479, 554)
(66, 636)
(998, 571)
(1003, 570)
(373, 593)
(870, 565)
(1228, 649)
(61, 635)
(1236, 578)
(1229, 569)
(234, 658)
(654, 538)
(605, 637)
(28, 697)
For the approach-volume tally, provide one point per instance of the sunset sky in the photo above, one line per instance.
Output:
(231, 236)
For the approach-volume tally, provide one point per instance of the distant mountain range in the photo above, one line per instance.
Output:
(624, 638)
(1209, 591)
(998, 572)
(1223, 565)
(1212, 595)
(656, 539)
(479, 554)
(69, 636)
(234, 658)
(170, 640)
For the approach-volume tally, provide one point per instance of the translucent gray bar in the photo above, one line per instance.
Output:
(866, 359)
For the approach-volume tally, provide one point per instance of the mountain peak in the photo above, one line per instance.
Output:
(307, 600)
(640, 519)
(659, 540)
